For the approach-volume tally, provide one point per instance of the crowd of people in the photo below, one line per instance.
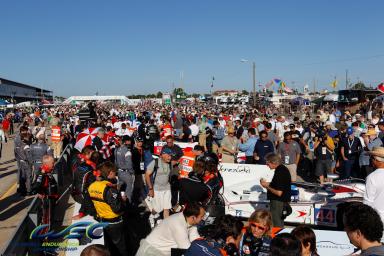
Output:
(118, 172)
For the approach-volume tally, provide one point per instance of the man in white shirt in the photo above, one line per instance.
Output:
(123, 130)
(177, 231)
(194, 131)
(374, 184)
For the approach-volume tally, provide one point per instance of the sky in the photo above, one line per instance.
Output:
(83, 47)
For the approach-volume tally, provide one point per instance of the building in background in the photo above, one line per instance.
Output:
(17, 92)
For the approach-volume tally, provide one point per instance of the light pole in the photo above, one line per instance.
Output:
(254, 80)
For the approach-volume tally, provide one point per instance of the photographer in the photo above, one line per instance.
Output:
(222, 238)
(324, 152)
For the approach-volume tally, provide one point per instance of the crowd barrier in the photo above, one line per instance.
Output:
(20, 243)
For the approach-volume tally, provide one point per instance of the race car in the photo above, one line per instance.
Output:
(311, 203)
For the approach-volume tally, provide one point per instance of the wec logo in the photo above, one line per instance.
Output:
(74, 231)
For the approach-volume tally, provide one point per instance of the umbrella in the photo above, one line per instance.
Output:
(85, 138)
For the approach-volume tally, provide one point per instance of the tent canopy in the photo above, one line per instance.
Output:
(331, 97)
(299, 101)
(3, 102)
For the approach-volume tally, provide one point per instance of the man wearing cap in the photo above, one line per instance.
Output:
(324, 151)
(369, 141)
(296, 135)
(126, 174)
(350, 150)
(157, 181)
(374, 184)
(188, 159)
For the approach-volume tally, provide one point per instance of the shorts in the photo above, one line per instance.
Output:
(161, 200)
(323, 167)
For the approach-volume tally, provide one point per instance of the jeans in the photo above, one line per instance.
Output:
(350, 169)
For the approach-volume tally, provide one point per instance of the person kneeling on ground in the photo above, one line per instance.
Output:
(175, 232)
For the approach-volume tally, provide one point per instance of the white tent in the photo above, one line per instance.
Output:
(331, 97)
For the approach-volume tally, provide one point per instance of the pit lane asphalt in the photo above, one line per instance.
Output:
(13, 206)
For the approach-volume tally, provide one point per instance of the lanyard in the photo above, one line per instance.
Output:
(350, 144)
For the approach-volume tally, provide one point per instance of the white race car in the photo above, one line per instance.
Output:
(311, 203)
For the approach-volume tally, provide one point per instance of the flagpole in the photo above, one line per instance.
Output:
(254, 84)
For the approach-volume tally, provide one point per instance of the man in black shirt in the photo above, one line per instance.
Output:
(350, 151)
(192, 188)
(279, 189)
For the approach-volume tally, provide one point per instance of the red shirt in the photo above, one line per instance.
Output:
(6, 124)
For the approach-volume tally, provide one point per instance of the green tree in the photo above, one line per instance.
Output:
(195, 95)
(359, 86)
(159, 95)
(244, 92)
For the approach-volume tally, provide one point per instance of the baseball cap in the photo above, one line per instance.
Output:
(140, 139)
(349, 130)
(167, 151)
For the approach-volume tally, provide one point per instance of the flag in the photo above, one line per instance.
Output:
(334, 83)
(286, 89)
(213, 78)
(277, 81)
(380, 87)
(269, 84)
(282, 84)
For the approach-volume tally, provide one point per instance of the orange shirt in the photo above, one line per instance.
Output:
(186, 164)
(55, 133)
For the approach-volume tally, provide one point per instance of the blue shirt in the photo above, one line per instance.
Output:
(203, 247)
(262, 148)
(364, 157)
(249, 146)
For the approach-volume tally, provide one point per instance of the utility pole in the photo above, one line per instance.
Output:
(346, 79)
(254, 84)
(314, 85)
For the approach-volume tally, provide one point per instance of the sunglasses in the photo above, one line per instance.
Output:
(258, 226)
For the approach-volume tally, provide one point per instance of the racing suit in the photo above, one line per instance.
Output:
(82, 178)
(46, 187)
(109, 207)
(126, 174)
(38, 150)
(23, 153)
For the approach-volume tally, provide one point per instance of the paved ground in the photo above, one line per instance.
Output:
(13, 207)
